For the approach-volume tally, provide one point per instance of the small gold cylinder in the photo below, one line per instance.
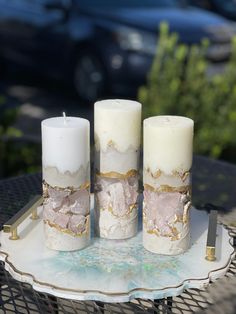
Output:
(210, 253)
(34, 215)
(14, 235)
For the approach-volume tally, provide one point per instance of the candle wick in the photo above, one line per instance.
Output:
(64, 115)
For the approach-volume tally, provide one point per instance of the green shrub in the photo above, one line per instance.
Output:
(17, 156)
(178, 84)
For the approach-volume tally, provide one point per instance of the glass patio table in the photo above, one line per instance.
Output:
(213, 183)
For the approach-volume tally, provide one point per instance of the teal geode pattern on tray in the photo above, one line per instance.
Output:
(113, 260)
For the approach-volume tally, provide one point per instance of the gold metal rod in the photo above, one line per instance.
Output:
(31, 207)
(34, 215)
(14, 235)
(210, 253)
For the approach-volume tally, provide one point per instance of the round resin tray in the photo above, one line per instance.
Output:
(114, 270)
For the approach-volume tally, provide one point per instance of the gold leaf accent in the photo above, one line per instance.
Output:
(111, 144)
(157, 174)
(128, 212)
(117, 175)
(154, 231)
(178, 218)
(70, 189)
(182, 175)
(185, 175)
(67, 231)
(166, 188)
(175, 173)
(173, 235)
(187, 207)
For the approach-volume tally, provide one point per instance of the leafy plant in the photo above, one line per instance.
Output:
(179, 84)
(17, 156)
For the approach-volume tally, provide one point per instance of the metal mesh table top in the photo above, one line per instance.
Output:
(213, 182)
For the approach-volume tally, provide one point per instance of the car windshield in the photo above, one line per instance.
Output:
(112, 4)
(228, 6)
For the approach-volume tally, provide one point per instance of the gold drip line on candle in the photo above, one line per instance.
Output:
(173, 235)
(84, 186)
(128, 212)
(68, 231)
(167, 188)
(182, 175)
(117, 175)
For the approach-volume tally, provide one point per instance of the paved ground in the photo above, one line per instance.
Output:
(39, 98)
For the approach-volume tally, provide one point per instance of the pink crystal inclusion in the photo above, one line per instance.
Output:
(67, 209)
(116, 194)
(161, 210)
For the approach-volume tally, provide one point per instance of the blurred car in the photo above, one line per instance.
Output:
(226, 8)
(101, 45)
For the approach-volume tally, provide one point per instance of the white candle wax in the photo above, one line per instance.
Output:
(119, 121)
(117, 142)
(168, 142)
(66, 181)
(65, 143)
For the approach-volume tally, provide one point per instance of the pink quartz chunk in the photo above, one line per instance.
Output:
(67, 209)
(117, 194)
(117, 198)
(79, 202)
(61, 220)
(77, 223)
(161, 209)
(48, 213)
(57, 197)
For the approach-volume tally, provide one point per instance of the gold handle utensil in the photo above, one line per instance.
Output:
(29, 209)
(211, 236)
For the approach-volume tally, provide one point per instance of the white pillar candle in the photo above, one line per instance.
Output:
(66, 182)
(117, 147)
(168, 142)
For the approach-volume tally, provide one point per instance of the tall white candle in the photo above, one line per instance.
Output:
(168, 142)
(117, 145)
(66, 181)
(117, 127)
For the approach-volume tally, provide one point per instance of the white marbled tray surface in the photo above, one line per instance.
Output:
(114, 270)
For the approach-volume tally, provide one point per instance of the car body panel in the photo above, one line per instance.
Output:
(51, 39)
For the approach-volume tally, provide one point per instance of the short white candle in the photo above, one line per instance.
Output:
(117, 147)
(168, 143)
(66, 175)
(65, 147)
